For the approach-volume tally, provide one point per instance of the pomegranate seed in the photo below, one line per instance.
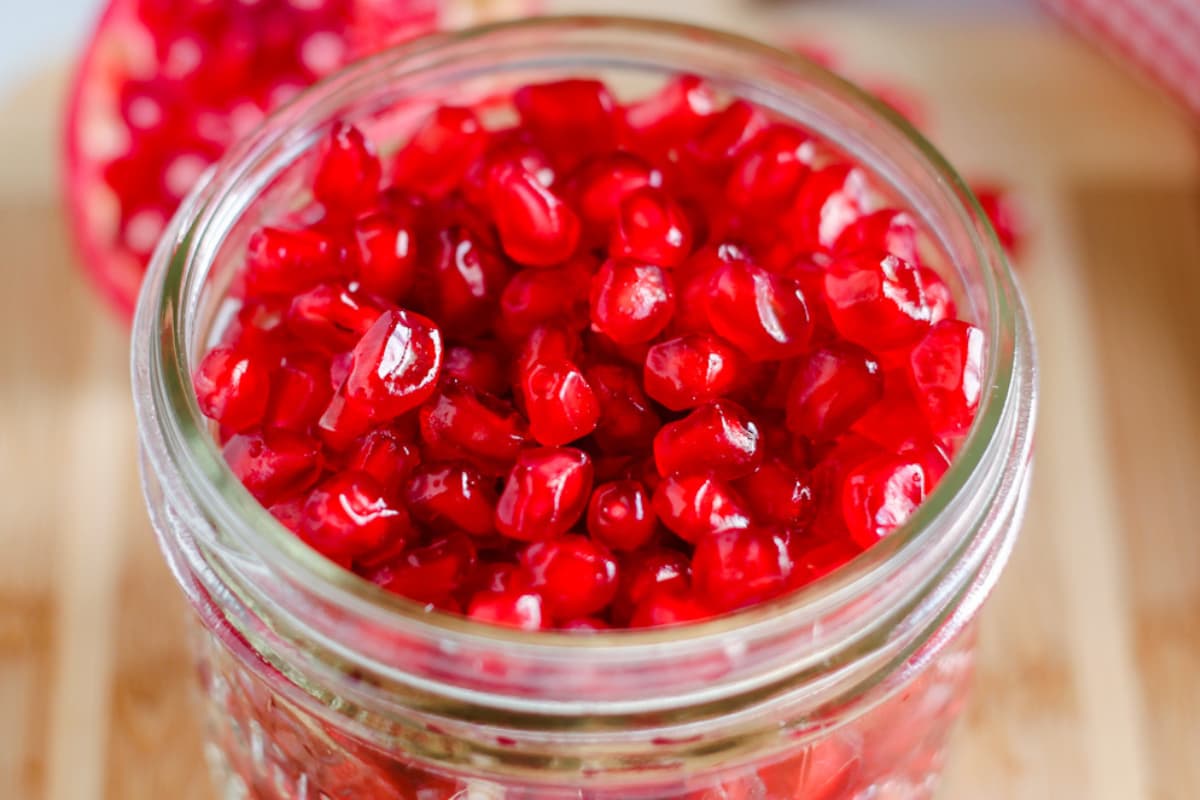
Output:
(512, 609)
(497, 576)
(880, 494)
(627, 422)
(467, 278)
(602, 182)
(546, 344)
(344, 421)
(574, 575)
(888, 230)
(938, 296)
(897, 416)
(876, 300)
(820, 558)
(630, 301)
(347, 177)
(463, 422)
(778, 494)
(763, 314)
(676, 112)
(476, 367)
(568, 116)
(332, 317)
(767, 173)
(386, 456)
(273, 464)
(440, 152)
(545, 493)
(348, 516)
(832, 388)
(738, 567)
(288, 261)
(431, 573)
(719, 437)
(691, 370)
(619, 515)
(559, 402)
(694, 506)
(692, 279)
(645, 571)
(663, 607)
(727, 133)
(451, 496)
(946, 368)
(396, 364)
(385, 246)
(232, 387)
(650, 227)
(537, 228)
(557, 295)
(828, 201)
(300, 391)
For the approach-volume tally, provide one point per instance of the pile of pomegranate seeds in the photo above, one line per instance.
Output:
(614, 365)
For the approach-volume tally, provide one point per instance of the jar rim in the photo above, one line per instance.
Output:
(168, 409)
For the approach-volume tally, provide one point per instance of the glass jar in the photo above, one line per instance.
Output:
(321, 685)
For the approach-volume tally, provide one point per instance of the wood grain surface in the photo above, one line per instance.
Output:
(1088, 682)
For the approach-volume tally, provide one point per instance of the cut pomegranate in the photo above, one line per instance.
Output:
(161, 91)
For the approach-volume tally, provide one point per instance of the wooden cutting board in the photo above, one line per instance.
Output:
(1088, 680)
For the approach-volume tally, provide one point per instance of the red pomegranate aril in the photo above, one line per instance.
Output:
(946, 368)
(627, 421)
(545, 494)
(574, 575)
(495, 576)
(694, 506)
(645, 571)
(436, 159)
(569, 118)
(692, 285)
(762, 314)
(662, 607)
(778, 494)
(726, 133)
(386, 250)
(673, 114)
(620, 516)
(396, 364)
(300, 392)
(478, 427)
(274, 464)
(536, 297)
(631, 301)
(466, 279)
(832, 388)
(431, 573)
(938, 296)
(545, 344)
(560, 404)
(814, 559)
(344, 420)
(600, 184)
(652, 228)
(880, 494)
(451, 496)
(348, 173)
(537, 228)
(897, 416)
(691, 370)
(280, 261)
(876, 300)
(348, 516)
(737, 567)
(719, 437)
(829, 200)
(332, 317)
(479, 367)
(386, 456)
(512, 609)
(890, 230)
(767, 172)
(232, 387)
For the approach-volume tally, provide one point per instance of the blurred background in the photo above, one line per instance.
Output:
(1088, 685)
